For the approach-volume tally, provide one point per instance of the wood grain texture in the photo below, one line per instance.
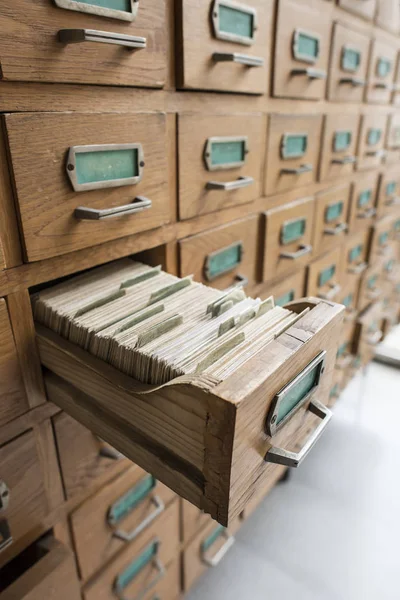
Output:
(32, 29)
(197, 70)
(194, 131)
(38, 147)
(19, 308)
(53, 577)
(13, 398)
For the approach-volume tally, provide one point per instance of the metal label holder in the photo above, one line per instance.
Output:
(230, 36)
(100, 11)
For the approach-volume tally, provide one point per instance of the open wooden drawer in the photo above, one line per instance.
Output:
(214, 443)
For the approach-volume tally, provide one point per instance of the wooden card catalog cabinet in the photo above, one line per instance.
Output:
(197, 436)
(112, 42)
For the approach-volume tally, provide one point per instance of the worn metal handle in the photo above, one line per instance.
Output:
(213, 561)
(367, 214)
(302, 251)
(280, 456)
(240, 282)
(77, 36)
(337, 230)
(376, 153)
(374, 294)
(299, 171)
(237, 57)
(83, 213)
(374, 339)
(383, 85)
(350, 314)
(161, 571)
(354, 81)
(357, 268)
(128, 536)
(310, 72)
(346, 160)
(392, 201)
(333, 292)
(227, 186)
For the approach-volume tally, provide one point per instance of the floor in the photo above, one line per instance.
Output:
(332, 532)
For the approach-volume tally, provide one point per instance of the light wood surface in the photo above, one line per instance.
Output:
(330, 169)
(323, 239)
(374, 93)
(365, 183)
(370, 155)
(192, 520)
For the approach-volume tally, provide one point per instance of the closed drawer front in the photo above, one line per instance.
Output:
(192, 520)
(356, 254)
(286, 290)
(84, 458)
(302, 48)
(393, 139)
(222, 256)
(348, 295)
(369, 331)
(363, 8)
(363, 202)
(381, 238)
(104, 162)
(381, 72)
(344, 356)
(288, 238)
(82, 42)
(145, 569)
(371, 287)
(331, 215)
(225, 45)
(396, 85)
(207, 550)
(371, 141)
(116, 516)
(349, 64)
(325, 276)
(23, 487)
(51, 576)
(292, 152)
(338, 384)
(388, 15)
(390, 268)
(389, 192)
(339, 146)
(13, 401)
(220, 161)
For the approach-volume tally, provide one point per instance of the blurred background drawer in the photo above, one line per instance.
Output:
(339, 146)
(192, 520)
(302, 46)
(64, 161)
(393, 139)
(371, 141)
(84, 458)
(225, 45)
(288, 233)
(381, 72)
(355, 254)
(363, 8)
(331, 214)
(293, 147)
(133, 52)
(344, 355)
(145, 569)
(363, 202)
(388, 15)
(115, 516)
(13, 400)
(221, 158)
(349, 64)
(370, 287)
(325, 275)
(389, 192)
(348, 295)
(222, 256)
(396, 85)
(285, 290)
(381, 234)
(368, 331)
(49, 574)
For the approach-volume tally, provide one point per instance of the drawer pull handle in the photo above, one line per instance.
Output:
(383, 85)
(299, 171)
(5, 533)
(376, 153)
(149, 555)
(302, 251)
(237, 57)
(128, 536)
(346, 160)
(374, 294)
(374, 339)
(228, 186)
(84, 213)
(111, 453)
(354, 81)
(333, 292)
(76, 36)
(357, 269)
(337, 230)
(213, 561)
(393, 201)
(100, 8)
(367, 214)
(310, 73)
(240, 281)
(280, 456)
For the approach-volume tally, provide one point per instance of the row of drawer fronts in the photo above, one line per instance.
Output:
(115, 516)
(112, 42)
(87, 183)
(235, 47)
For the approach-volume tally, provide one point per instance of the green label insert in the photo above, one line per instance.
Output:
(223, 261)
(124, 5)
(341, 141)
(209, 541)
(351, 59)
(294, 145)
(374, 136)
(390, 188)
(383, 67)
(107, 165)
(235, 21)
(302, 388)
(333, 212)
(128, 575)
(364, 198)
(355, 253)
(293, 230)
(282, 300)
(129, 501)
(348, 300)
(326, 275)
(228, 153)
(306, 46)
